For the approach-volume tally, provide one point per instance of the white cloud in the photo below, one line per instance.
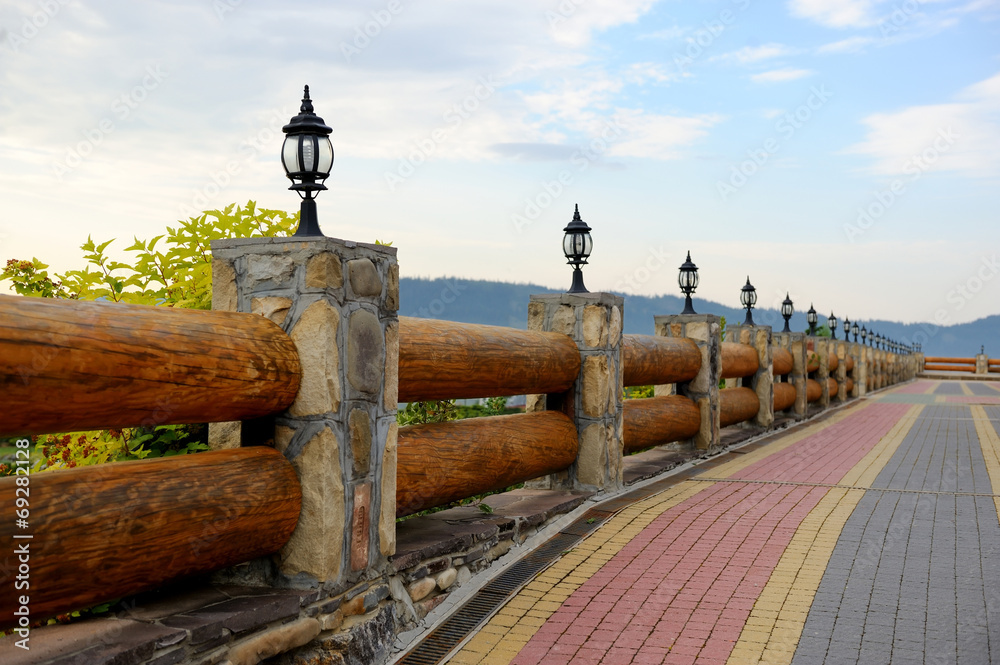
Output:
(958, 136)
(655, 136)
(781, 75)
(849, 45)
(572, 24)
(835, 13)
(751, 54)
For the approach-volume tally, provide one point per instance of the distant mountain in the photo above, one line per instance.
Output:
(506, 304)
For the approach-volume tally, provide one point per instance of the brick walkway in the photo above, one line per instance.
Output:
(871, 537)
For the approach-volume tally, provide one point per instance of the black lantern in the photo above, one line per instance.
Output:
(307, 155)
(577, 245)
(812, 318)
(864, 334)
(847, 329)
(748, 296)
(688, 280)
(855, 329)
(787, 309)
(832, 320)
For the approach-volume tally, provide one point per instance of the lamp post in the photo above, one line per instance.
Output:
(847, 329)
(748, 296)
(577, 245)
(787, 309)
(688, 281)
(832, 320)
(307, 155)
(864, 334)
(812, 318)
(854, 329)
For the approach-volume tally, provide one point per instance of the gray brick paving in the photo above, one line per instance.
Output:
(915, 578)
(949, 388)
(980, 388)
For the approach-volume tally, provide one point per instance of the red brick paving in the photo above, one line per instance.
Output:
(682, 589)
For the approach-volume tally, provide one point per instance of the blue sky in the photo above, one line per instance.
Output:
(845, 151)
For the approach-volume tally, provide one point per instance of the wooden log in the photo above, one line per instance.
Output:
(445, 360)
(784, 396)
(814, 391)
(813, 364)
(949, 368)
(850, 386)
(993, 361)
(950, 361)
(781, 360)
(832, 386)
(833, 362)
(68, 365)
(737, 405)
(738, 360)
(444, 462)
(654, 360)
(850, 363)
(104, 532)
(655, 421)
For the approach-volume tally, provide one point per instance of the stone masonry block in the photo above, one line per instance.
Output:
(360, 526)
(315, 337)
(324, 271)
(390, 396)
(564, 320)
(224, 296)
(596, 384)
(359, 424)
(271, 307)
(387, 509)
(364, 278)
(365, 352)
(317, 542)
(595, 329)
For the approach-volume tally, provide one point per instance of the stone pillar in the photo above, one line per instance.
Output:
(860, 370)
(338, 301)
(822, 346)
(795, 343)
(703, 390)
(841, 370)
(594, 321)
(982, 364)
(762, 382)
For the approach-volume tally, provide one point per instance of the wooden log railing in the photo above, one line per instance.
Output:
(654, 360)
(784, 396)
(68, 365)
(443, 462)
(446, 360)
(737, 405)
(654, 421)
(814, 391)
(738, 360)
(849, 363)
(832, 362)
(117, 529)
(832, 386)
(781, 360)
(944, 364)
